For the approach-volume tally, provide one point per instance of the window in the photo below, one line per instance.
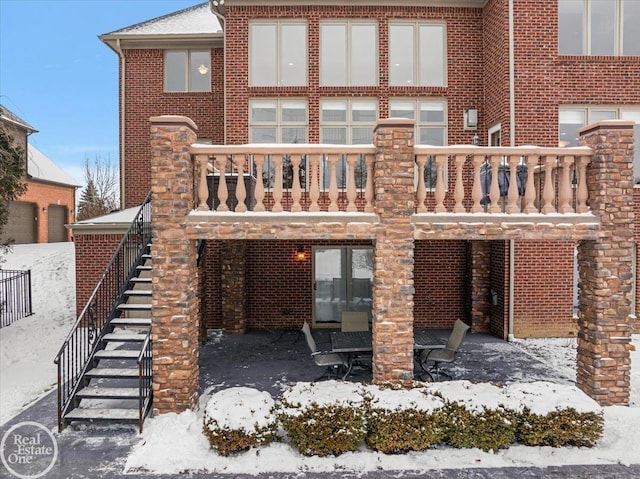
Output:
(571, 119)
(347, 122)
(599, 27)
(187, 70)
(417, 54)
(278, 121)
(277, 54)
(348, 53)
(431, 127)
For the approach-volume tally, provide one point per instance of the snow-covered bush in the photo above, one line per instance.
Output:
(238, 418)
(403, 419)
(325, 418)
(476, 415)
(556, 415)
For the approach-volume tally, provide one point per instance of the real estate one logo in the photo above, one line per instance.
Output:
(28, 450)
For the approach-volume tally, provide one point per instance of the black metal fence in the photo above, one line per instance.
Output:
(15, 296)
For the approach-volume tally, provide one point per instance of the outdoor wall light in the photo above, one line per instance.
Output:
(470, 118)
(300, 254)
(476, 140)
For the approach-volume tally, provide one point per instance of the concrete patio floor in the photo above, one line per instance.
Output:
(273, 360)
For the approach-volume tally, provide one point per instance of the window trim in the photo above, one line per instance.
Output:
(586, 30)
(278, 51)
(279, 124)
(416, 52)
(187, 69)
(349, 22)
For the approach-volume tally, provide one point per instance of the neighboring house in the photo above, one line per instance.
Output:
(494, 73)
(41, 213)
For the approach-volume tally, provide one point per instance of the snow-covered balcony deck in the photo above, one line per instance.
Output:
(459, 191)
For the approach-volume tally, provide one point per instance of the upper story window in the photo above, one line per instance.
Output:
(430, 116)
(187, 70)
(348, 53)
(278, 120)
(571, 119)
(347, 121)
(417, 54)
(277, 53)
(431, 127)
(599, 27)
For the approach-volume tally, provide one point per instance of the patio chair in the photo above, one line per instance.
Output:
(336, 365)
(446, 354)
(354, 321)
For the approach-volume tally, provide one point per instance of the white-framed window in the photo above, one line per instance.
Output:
(277, 53)
(273, 120)
(187, 70)
(598, 27)
(348, 53)
(431, 127)
(417, 54)
(572, 118)
(278, 120)
(347, 121)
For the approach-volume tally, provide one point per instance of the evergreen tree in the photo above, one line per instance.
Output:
(12, 171)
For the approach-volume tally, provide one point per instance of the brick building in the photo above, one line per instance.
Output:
(41, 214)
(333, 123)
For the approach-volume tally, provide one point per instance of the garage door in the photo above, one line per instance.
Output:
(57, 219)
(22, 226)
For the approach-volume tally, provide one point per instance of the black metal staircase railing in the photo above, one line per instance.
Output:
(144, 379)
(78, 350)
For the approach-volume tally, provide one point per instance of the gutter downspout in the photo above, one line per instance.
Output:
(512, 141)
(221, 19)
(121, 92)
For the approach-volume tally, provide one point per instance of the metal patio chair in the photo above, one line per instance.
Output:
(446, 354)
(336, 365)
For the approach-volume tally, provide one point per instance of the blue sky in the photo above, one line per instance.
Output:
(60, 78)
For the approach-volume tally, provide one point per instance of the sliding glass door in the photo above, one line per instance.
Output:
(342, 281)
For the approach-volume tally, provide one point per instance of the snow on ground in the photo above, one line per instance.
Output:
(174, 443)
(29, 345)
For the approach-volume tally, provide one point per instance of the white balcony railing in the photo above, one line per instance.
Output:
(331, 178)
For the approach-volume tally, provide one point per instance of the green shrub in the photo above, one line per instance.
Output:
(325, 430)
(486, 429)
(566, 427)
(403, 419)
(323, 419)
(227, 414)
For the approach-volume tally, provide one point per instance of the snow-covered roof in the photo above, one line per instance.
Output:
(8, 116)
(42, 168)
(193, 20)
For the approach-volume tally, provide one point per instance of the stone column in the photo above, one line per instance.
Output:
(175, 303)
(606, 266)
(393, 287)
(480, 286)
(232, 286)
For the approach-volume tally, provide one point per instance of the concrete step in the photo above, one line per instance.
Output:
(134, 307)
(117, 354)
(108, 393)
(112, 373)
(127, 337)
(131, 322)
(138, 292)
(144, 267)
(141, 280)
(98, 414)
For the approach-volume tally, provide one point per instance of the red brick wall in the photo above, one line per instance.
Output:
(544, 281)
(499, 284)
(465, 63)
(44, 195)
(93, 253)
(496, 69)
(441, 276)
(145, 97)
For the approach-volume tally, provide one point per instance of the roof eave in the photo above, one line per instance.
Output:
(164, 40)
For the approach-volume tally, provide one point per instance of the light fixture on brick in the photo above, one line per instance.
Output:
(470, 118)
